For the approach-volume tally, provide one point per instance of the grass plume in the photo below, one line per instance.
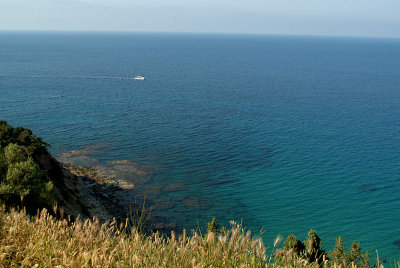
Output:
(48, 242)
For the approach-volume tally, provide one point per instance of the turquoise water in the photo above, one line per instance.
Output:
(286, 133)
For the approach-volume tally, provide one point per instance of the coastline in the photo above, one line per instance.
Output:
(106, 190)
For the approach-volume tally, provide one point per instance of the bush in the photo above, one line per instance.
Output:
(22, 137)
(14, 153)
(296, 253)
(338, 254)
(20, 176)
(3, 166)
(213, 227)
(292, 252)
(313, 245)
(24, 177)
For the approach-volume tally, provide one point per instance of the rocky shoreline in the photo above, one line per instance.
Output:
(99, 196)
(101, 190)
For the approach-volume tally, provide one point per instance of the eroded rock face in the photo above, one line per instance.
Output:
(84, 191)
(108, 190)
(105, 190)
(100, 195)
(66, 185)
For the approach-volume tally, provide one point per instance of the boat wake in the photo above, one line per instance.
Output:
(70, 77)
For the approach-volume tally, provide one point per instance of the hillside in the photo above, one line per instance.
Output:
(72, 218)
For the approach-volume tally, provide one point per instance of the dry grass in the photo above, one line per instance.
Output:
(44, 241)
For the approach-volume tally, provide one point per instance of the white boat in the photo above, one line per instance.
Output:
(139, 77)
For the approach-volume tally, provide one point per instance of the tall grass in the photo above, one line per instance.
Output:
(44, 241)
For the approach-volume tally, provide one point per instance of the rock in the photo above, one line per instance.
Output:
(97, 190)
(396, 243)
(163, 204)
(195, 203)
(178, 186)
(116, 162)
(160, 226)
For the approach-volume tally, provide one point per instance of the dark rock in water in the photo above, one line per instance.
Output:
(162, 226)
(163, 204)
(397, 243)
(371, 187)
(367, 188)
(195, 203)
(178, 186)
(154, 190)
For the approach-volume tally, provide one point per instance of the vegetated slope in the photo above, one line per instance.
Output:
(44, 241)
(31, 177)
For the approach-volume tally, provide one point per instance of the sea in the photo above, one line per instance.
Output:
(280, 133)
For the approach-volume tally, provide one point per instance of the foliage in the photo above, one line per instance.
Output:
(24, 177)
(291, 253)
(338, 254)
(138, 218)
(292, 243)
(22, 137)
(44, 241)
(313, 245)
(213, 227)
(295, 253)
(14, 153)
(20, 176)
(354, 254)
(3, 165)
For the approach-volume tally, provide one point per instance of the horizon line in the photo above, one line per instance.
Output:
(196, 33)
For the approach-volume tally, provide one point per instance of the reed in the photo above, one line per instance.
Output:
(45, 241)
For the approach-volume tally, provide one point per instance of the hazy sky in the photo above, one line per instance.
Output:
(304, 17)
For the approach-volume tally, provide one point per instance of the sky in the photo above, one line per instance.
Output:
(371, 18)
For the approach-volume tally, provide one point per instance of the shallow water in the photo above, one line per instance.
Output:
(286, 133)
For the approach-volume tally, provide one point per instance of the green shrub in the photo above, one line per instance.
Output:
(14, 153)
(313, 245)
(355, 255)
(20, 176)
(295, 253)
(24, 177)
(214, 227)
(22, 137)
(292, 252)
(338, 254)
(3, 165)
(6, 133)
(292, 243)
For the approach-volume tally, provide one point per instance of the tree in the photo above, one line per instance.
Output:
(355, 255)
(3, 165)
(24, 177)
(14, 153)
(338, 254)
(313, 246)
(294, 244)
(20, 176)
(22, 137)
(214, 227)
(292, 252)
(6, 133)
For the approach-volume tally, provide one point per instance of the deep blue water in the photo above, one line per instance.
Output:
(286, 133)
